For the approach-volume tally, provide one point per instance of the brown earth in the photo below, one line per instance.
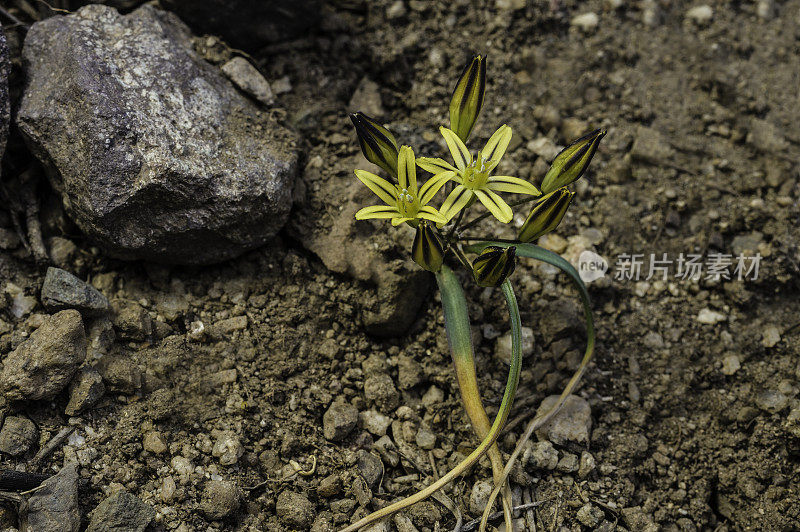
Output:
(701, 157)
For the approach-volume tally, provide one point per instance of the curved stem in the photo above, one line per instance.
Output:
(456, 320)
(538, 253)
(494, 431)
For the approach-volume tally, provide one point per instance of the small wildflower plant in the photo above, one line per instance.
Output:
(466, 182)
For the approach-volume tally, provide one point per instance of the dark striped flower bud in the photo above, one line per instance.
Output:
(377, 143)
(428, 249)
(571, 163)
(494, 265)
(467, 100)
(546, 214)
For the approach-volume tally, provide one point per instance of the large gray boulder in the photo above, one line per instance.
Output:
(155, 153)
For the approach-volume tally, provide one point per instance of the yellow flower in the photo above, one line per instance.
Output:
(404, 202)
(474, 175)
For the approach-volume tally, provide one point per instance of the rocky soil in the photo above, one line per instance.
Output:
(306, 380)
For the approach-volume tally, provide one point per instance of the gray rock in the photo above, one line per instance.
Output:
(370, 467)
(62, 290)
(568, 463)
(44, 364)
(502, 347)
(295, 509)
(339, 421)
(182, 167)
(84, 391)
(330, 486)
(379, 390)
(544, 456)
(409, 372)
(53, 507)
(587, 464)
(120, 374)
(426, 439)
(18, 435)
(247, 77)
(771, 400)
(572, 423)
(479, 497)
(374, 422)
(121, 512)
(131, 320)
(246, 24)
(221, 498)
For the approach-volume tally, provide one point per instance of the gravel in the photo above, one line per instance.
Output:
(18, 435)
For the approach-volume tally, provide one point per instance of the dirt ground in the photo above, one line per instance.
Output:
(694, 388)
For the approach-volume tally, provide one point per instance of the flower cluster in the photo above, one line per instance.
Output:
(467, 180)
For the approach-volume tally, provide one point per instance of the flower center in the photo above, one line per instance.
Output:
(475, 175)
(406, 202)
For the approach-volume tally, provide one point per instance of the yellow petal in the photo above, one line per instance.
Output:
(376, 211)
(456, 201)
(434, 165)
(497, 144)
(406, 169)
(458, 150)
(429, 213)
(495, 205)
(506, 183)
(433, 185)
(382, 188)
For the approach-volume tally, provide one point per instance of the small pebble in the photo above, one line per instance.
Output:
(772, 401)
(295, 509)
(586, 22)
(770, 336)
(17, 435)
(700, 15)
(710, 317)
(479, 497)
(544, 456)
(587, 464)
(426, 439)
(339, 421)
(153, 443)
(730, 364)
(220, 499)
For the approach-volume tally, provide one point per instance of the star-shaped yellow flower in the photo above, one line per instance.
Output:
(473, 175)
(404, 201)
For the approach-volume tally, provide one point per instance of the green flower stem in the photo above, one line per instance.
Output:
(535, 252)
(456, 320)
(488, 441)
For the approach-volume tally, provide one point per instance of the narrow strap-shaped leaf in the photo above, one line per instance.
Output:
(535, 252)
(488, 441)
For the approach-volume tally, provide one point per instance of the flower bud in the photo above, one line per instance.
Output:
(571, 163)
(546, 214)
(494, 265)
(377, 143)
(428, 250)
(467, 99)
